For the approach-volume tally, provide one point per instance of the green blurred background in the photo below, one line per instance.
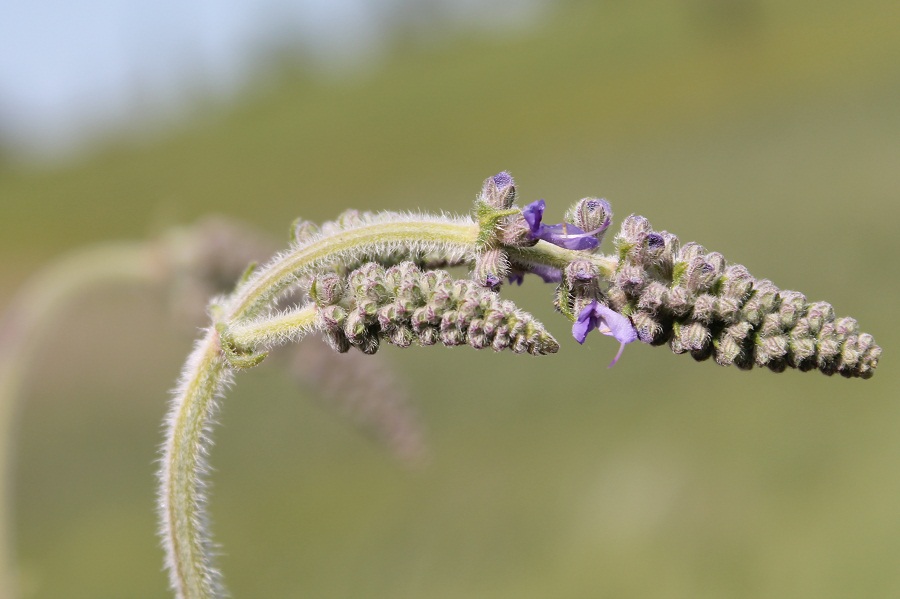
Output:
(768, 131)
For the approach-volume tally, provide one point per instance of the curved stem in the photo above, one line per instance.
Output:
(421, 234)
(182, 506)
(24, 325)
(276, 330)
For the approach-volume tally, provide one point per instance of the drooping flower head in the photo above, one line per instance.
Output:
(564, 235)
(606, 320)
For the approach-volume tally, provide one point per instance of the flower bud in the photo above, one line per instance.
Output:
(653, 296)
(303, 230)
(350, 218)
(704, 308)
(689, 251)
(591, 214)
(793, 304)
(499, 191)
(846, 326)
(649, 329)
(818, 314)
(737, 283)
(665, 259)
(760, 303)
(491, 268)
(770, 348)
(337, 340)
(580, 273)
(802, 350)
(694, 336)
(728, 310)
(679, 301)
(630, 278)
(355, 326)
(327, 289)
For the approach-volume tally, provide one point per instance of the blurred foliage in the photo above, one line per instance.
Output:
(764, 130)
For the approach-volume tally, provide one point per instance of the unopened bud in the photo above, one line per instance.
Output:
(303, 230)
(652, 297)
(819, 313)
(704, 308)
(694, 336)
(327, 289)
(592, 215)
(791, 309)
(491, 268)
(499, 191)
(649, 329)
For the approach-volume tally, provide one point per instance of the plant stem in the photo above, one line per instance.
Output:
(182, 506)
(186, 541)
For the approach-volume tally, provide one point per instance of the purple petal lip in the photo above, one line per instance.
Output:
(606, 320)
(516, 278)
(562, 234)
(533, 214)
(547, 273)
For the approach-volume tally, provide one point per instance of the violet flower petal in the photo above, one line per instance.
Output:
(568, 236)
(616, 325)
(548, 274)
(583, 323)
(606, 320)
(533, 214)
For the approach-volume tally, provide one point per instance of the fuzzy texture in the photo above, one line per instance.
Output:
(372, 278)
(699, 303)
(404, 305)
(338, 247)
(182, 499)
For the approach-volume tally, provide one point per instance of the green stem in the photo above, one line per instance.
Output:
(182, 507)
(275, 330)
(182, 502)
(419, 235)
(551, 255)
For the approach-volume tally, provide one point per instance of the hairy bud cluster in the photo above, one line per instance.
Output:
(698, 303)
(404, 305)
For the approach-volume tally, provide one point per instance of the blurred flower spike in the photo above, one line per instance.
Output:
(563, 234)
(606, 320)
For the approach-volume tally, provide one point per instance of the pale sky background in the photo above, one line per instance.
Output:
(71, 71)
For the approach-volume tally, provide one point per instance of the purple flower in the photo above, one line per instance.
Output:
(606, 320)
(563, 234)
(548, 274)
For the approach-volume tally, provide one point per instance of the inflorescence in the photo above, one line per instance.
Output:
(367, 278)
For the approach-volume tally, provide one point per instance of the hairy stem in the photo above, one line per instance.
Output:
(547, 254)
(185, 538)
(182, 505)
(415, 235)
(274, 330)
